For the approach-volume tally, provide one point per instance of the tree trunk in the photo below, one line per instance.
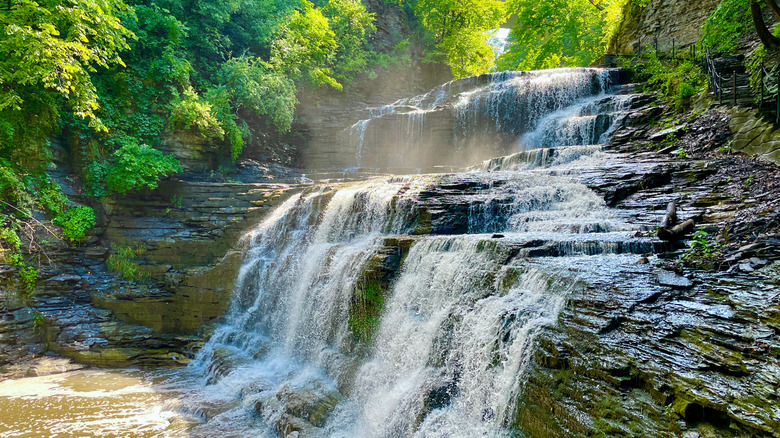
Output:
(774, 7)
(770, 41)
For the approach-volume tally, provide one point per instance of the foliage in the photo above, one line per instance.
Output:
(353, 25)
(50, 46)
(38, 320)
(306, 47)
(261, 92)
(13, 189)
(29, 278)
(459, 29)
(123, 262)
(51, 198)
(76, 222)
(139, 166)
(192, 111)
(676, 81)
(702, 251)
(729, 21)
(49, 51)
(559, 33)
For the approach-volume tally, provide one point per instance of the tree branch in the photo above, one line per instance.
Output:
(597, 4)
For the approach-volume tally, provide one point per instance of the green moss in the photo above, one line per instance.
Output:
(423, 225)
(368, 303)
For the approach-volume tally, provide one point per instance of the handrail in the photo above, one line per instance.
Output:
(767, 90)
(721, 85)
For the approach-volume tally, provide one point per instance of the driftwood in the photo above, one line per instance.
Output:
(670, 230)
(677, 232)
(670, 219)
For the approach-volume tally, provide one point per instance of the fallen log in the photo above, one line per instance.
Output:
(670, 220)
(677, 232)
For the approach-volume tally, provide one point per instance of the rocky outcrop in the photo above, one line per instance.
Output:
(643, 350)
(657, 361)
(664, 20)
(188, 232)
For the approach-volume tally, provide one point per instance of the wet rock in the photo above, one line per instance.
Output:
(674, 132)
(670, 279)
(758, 262)
(298, 408)
(746, 267)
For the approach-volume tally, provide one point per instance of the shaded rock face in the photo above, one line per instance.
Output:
(193, 151)
(654, 361)
(190, 234)
(664, 20)
(755, 135)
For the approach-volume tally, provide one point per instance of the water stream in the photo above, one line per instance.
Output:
(408, 305)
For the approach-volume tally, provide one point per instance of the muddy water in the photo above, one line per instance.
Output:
(93, 403)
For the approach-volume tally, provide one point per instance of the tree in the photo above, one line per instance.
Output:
(48, 48)
(306, 47)
(353, 25)
(260, 91)
(769, 41)
(459, 28)
(556, 33)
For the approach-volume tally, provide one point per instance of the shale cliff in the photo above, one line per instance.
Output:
(661, 21)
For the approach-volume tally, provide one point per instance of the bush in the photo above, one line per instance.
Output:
(676, 81)
(29, 278)
(194, 112)
(139, 166)
(50, 197)
(76, 222)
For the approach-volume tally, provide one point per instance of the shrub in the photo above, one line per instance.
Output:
(29, 278)
(676, 81)
(139, 166)
(76, 222)
(702, 251)
(50, 197)
(194, 112)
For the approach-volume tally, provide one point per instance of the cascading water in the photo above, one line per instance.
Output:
(355, 316)
(470, 118)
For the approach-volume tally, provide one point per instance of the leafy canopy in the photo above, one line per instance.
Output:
(48, 51)
(559, 33)
(459, 28)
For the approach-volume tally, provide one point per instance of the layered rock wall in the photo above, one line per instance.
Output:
(663, 20)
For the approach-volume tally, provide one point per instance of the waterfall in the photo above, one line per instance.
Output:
(449, 354)
(481, 116)
(409, 305)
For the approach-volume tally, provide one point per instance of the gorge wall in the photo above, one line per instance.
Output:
(664, 20)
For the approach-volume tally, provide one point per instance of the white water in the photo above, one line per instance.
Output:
(512, 103)
(459, 320)
(439, 335)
